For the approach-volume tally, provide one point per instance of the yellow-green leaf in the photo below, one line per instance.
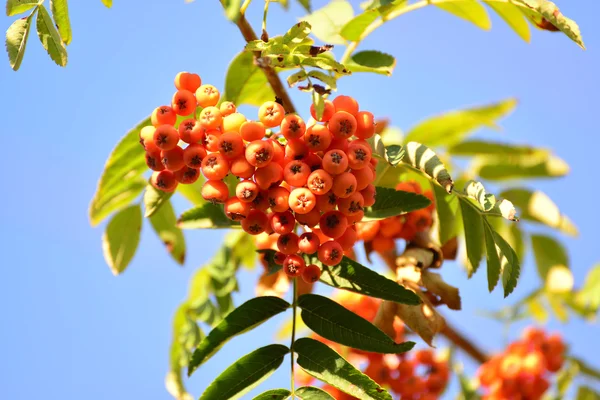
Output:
(50, 38)
(512, 16)
(14, 7)
(474, 233)
(121, 238)
(469, 10)
(107, 3)
(16, 40)
(60, 12)
(507, 168)
(164, 222)
(327, 22)
(246, 83)
(372, 61)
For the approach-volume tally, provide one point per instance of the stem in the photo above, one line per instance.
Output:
(280, 91)
(294, 301)
(244, 7)
(265, 36)
(353, 45)
(464, 344)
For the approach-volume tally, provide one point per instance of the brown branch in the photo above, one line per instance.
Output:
(464, 344)
(280, 90)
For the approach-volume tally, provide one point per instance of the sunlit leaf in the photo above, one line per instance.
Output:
(474, 234)
(506, 168)
(60, 12)
(154, 199)
(16, 40)
(476, 147)
(469, 10)
(246, 83)
(274, 394)
(121, 238)
(372, 61)
(206, 216)
(327, 22)
(312, 393)
(390, 202)
(512, 16)
(164, 222)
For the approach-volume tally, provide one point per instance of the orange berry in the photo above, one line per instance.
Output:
(368, 194)
(317, 138)
(191, 131)
(382, 244)
(309, 243)
(296, 173)
(435, 383)
(163, 115)
(271, 114)
(235, 209)
(214, 166)
(279, 258)
(424, 356)
(211, 118)
(313, 161)
(344, 185)
(292, 127)
(365, 125)
(215, 191)
(261, 202)
(293, 265)
(339, 144)
(328, 111)
(319, 182)
(278, 199)
(352, 204)
(283, 222)
(187, 81)
(227, 108)
(172, 159)
(363, 177)
(166, 137)
(335, 162)
(153, 161)
(342, 125)
(354, 218)
(211, 139)
(233, 122)
(246, 191)
(163, 180)
(252, 130)
(555, 362)
(296, 149)
(327, 202)
(309, 219)
(231, 145)
(193, 155)
(391, 227)
(348, 238)
(330, 253)
(302, 200)
(534, 363)
(510, 366)
(347, 104)
(311, 273)
(255, 222)
(409, 186)
(268, 176)
(241, 168)
(147, 139)
(421, 219)
(259, 153)
(183, 103)
(288, 243)
(187, 175)
(333, 224)
(367, 230)
(359, 155)
(207, 96)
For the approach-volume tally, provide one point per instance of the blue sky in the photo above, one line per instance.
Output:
(71, 330)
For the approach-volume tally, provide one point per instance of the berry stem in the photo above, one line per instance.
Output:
(265, 35)
(244, 6)
(294, 301)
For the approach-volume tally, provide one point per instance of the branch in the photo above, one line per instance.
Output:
(464, 344)
(280, 91)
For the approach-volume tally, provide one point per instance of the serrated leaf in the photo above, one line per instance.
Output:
(538, 207)
(474, 233)
(246, 373)
(327, 22)
(390, 202)
(493, 260)
(480, 147)
(334, 322)
(274, 394)
(120, 182)
(509, 261)
(14, 7)
(323, 363)
(206, 216)
(469, 10)
(452, 127)
(297, 33)
(121, 238)
(507, 168)
(372, 61)
(446, 207)
(60, 12)
(242, 319)
(164, 222)
(154, 199)
(246, 83)
(423, 158)
(50, 38)
(512, 16)
(312, 393)
(16, 40)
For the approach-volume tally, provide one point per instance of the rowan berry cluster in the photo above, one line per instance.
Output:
(315, 173)
(382, 234)
(522, 371)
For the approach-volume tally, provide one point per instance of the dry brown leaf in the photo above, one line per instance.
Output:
(423, 319)
(436, 285)
(384, 319)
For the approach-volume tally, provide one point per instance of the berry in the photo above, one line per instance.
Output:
(215, 166)
(147, 139)
(283, 222)
(319, 182)
(302, 200)
(207, 95)
(335, 162)
(293, 265)
(187, 175)
(278, 199)
(215, 191)
(193, 155)
(227, 108)
(359, 155)
(364, 177)
(288, 243)
(166, 137)
(328, 111)
(241, 168)
(347, 104)
(211, 118)
(235, 209)
(348, 238)
(271, 114)
(352, 204)
(327, 202)
(318, 138)
(259, 153)
(292, 127)
(296, 173)
(231, 145)
(279, 258)
(344, 185)
(268, 176)
(163, 115)
(309, 219)
(252, 130)
(311, 273)
(342, 125)
(309, 243)
(330, 253)
(191, 131)
(187, 81)
(255, 222)
(172, 159)
(233, 122)
(183, 103)
(333, 224)
(153, 161)
(164, 180)
(365, 125)
(211, 139)
(368, 194)
(246, 191)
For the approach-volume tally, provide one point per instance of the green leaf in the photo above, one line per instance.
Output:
(512, 16)
(585, 368)
(297, 33)
(274, 394)
(312, 393)
(154, 199)
(509, 261)
(60, 12)
(14, 7)
(16, 40)
(354, 277)
(193, 192)
(50, 38)
(452, 127)
(326, 62)
(319, 103)
(297, 77)
(246, 373)
(480, 147)
(354, 29)
(244, 318)
(474, 234)
(232, 9)
(538, 207)
(549, 253)
(423, 158)
(446, 207)
(469, 10)
(493, 261)
(390, 202)
(246, 83)
(164, 222)
(372, 61)
(206, 216)
(305, 4)
(537, 309)
(107, 3)
(589, 295)
(323, 77)
(327, 22)
(120, 182)
(334, 322)
(587, 393)
(323, 363)
(506, 168)
(121, 238)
